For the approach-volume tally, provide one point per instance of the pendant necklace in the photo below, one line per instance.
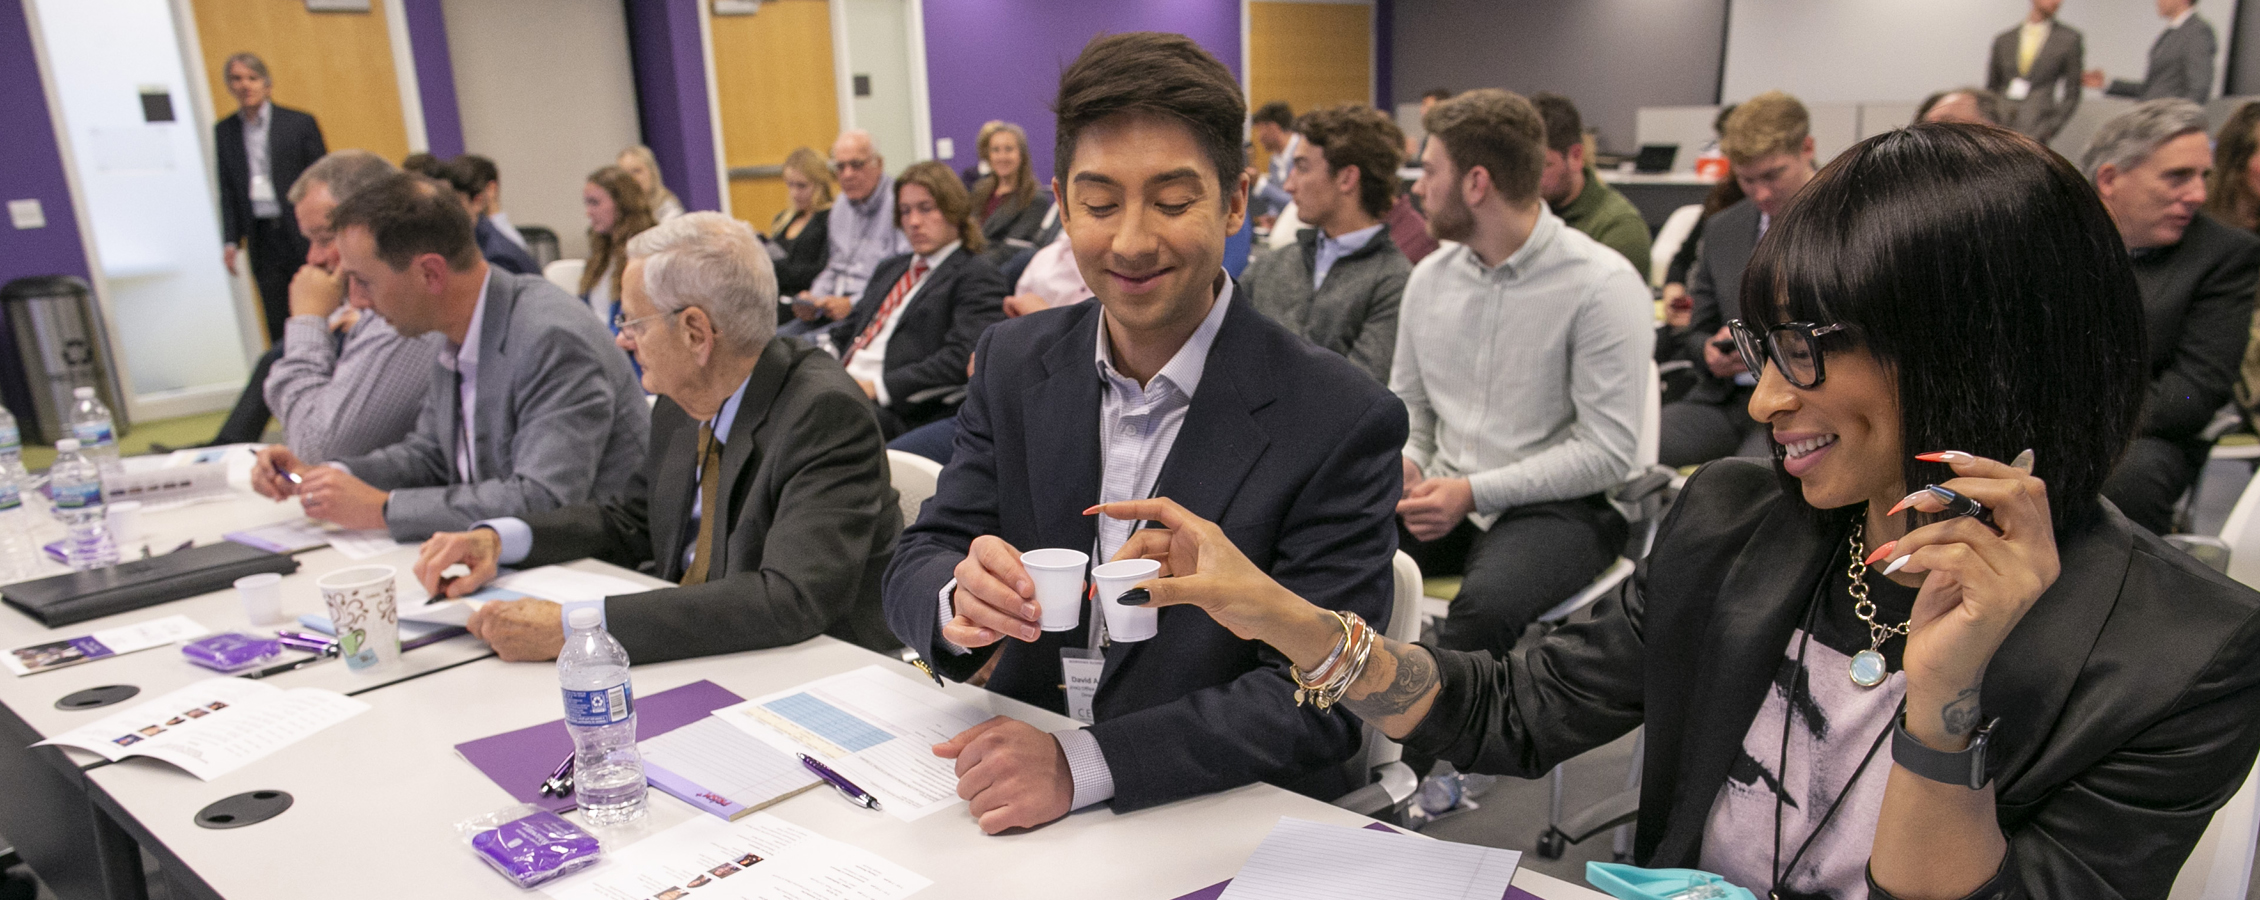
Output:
(1868, 668)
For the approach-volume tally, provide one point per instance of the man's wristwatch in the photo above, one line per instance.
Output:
(1964, 767)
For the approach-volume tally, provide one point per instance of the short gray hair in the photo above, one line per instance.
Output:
(2126, 141)
(713, 262)
(249, 61)
(347, 172)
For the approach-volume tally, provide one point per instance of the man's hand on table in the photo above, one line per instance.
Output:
(1010, 774)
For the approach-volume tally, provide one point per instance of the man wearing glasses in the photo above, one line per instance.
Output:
(863, 232)
(765, 494)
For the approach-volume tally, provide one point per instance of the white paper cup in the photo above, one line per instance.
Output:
(125, 523)
(262, 598)
(367, 617)
(1058, 575)
(1126, 623)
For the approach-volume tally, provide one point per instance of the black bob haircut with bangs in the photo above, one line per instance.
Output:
(1981, 269)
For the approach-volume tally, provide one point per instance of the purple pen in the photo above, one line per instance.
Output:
(560, 782)
(840, 783)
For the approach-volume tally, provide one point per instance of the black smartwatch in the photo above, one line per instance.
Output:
(1964, 767)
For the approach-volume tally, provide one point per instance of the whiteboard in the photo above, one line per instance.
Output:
(1856, 51)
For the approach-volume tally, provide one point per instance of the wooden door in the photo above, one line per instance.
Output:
(1311, 55)
(774, 83)
(335, 65)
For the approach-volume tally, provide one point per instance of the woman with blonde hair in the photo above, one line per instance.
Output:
(802, 231)
(639, 162)
(2232, 189)
(617, 211)
(1010, 208)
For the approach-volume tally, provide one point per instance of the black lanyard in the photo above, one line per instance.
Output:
(1781, 765)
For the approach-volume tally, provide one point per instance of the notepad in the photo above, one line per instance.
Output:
(1303, 860)
(713, 765)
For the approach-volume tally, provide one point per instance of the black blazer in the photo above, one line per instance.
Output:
(1289, 448)
(805, 255)
(502, 252)
(2197, 313)
(2128, 697)
(294, 141)
(810, 521)
(1715, 287)
(1013, 227)
(959, 299)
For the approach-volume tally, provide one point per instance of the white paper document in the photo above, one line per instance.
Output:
(101, 644)
(306, 534)
(564, 585)
(362, 545)
(1303, 860)
(214, 726)
(759, 857)
(874, 727)
(721, 769)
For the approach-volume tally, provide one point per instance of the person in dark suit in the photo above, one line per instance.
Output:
(911, 337)
(766, 429)
(2035, 68)
(262, 148)
(1012, 209)
(2181, 59)
(1170, 385)
(2197, 278)
(2067, 698)
(1768, 141)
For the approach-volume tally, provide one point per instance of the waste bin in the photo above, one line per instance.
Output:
(61, 344)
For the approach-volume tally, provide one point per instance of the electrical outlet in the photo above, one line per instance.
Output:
(27, 214)
(944, 148)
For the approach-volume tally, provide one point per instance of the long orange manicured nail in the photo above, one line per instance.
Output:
(1880, 552)
(1944, 456)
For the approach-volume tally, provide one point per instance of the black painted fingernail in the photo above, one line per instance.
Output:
(1134, 597)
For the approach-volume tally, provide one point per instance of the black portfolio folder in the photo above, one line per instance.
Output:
(78, 596)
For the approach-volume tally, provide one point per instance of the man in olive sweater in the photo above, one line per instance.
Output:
(1575, 191)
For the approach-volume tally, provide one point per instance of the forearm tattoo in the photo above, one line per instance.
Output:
(1416, 674)
(1961, 716)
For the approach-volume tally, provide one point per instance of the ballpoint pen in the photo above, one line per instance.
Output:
(294, 665)
(560, 781)
(846, 788)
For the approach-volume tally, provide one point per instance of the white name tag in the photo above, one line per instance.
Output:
(1081, 669)
(2019, 89)
(262, 189)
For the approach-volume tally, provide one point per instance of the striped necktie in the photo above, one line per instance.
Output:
(895, 296)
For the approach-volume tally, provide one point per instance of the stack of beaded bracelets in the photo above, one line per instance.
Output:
(1333, 678)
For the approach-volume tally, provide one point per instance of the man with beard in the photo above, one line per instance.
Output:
(1522, 357)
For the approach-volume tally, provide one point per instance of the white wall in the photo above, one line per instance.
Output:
(1851, 51)
(148, 198)
(546, 91)
(878, 45)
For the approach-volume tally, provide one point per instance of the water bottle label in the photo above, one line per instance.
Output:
(76, 496)
(11, 496)
(603, 706)
(92, 434)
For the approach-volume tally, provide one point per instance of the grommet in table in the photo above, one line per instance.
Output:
(247, 808)
(96, 697)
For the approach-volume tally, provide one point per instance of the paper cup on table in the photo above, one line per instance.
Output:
(1126, 623)
(1058, 575)
(365, 614)
(262, 598)
(125, 523)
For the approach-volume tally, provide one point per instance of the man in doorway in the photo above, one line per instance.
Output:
(2181, 60)
(2035, 68)
(261, 149)
(1574, 191)
(862, 233)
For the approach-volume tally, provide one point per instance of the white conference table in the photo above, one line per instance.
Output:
(388, 784)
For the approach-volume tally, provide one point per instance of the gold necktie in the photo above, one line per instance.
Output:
(709, 487)
(2028, 47)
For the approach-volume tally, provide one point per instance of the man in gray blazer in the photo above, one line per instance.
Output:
(529, 408)
(766, 430)
(2181, 60)
(2036, 68)
(1339, 284)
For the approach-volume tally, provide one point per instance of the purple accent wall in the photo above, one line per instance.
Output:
(670, 65)
(31, 163)
(435, 77)
(1000, 59)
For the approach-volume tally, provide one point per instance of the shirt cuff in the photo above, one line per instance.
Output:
(1094, 782)
(334, 464)
(949, 611)
(879, 391)
(517, 538)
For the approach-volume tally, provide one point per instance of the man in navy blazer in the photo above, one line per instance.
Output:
(261, 150)
(1173, 386)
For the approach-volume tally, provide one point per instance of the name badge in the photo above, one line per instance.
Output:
(2019, 89)
(262, 189)
(1082, 669)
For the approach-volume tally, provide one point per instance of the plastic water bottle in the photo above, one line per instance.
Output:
(19, 535)
(76, 484)
(90, 423)
(11, 438)
(600, 711)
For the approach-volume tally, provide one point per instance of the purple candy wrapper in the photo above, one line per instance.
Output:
(536, 848)
(231, 652)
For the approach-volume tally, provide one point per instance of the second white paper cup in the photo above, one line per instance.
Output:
(262, 598)
(1126, 623)
(1058, 574)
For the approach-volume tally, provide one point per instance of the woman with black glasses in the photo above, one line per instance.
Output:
(1916, 656)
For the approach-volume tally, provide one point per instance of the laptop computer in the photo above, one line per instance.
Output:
(1655, 158)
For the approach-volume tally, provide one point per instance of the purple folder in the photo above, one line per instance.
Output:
(1217, 890)
(520, 760)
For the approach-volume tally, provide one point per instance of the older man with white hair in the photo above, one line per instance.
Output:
(862, 229)
(765, 495)
(2197, 278)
